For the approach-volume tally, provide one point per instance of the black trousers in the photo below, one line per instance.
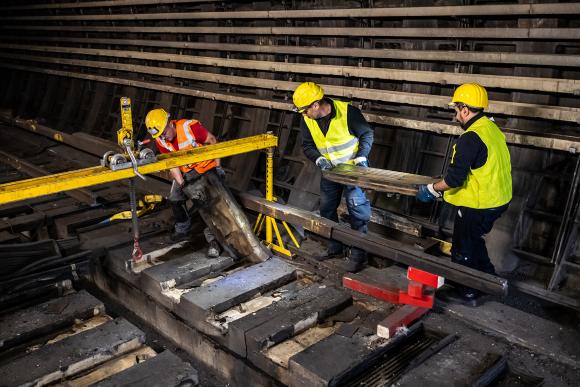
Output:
(469, 228)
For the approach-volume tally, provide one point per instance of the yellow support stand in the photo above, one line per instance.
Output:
(271, 223)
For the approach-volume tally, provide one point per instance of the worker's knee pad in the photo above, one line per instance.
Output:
(359, 207)
(196, 193)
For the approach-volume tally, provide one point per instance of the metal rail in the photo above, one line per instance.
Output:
(40, 186)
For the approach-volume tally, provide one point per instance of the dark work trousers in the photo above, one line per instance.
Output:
(359, 209)
(178, 200)
(468, 244)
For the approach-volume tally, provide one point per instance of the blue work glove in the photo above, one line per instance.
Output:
(427, 193)
(220, 172)
(323, 163)
(361, 162)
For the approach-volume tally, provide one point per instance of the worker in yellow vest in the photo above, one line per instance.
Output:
(478, 182)
(172, 136)
(335, 132)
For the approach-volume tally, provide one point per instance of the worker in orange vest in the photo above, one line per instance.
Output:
(172, 136)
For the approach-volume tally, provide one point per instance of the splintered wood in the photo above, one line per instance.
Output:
(377, 179)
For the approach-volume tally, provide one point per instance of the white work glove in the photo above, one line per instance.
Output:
(323, 163)
(361, 162)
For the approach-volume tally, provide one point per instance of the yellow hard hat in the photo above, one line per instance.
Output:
(306, 94)
(470, 94)
(156, 121)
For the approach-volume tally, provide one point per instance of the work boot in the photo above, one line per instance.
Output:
(181, 231)
(356, 260)
(213, 251)
(334, 250)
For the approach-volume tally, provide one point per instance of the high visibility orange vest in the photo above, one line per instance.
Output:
(186, 140)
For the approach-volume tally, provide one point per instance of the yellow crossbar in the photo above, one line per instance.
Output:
(46, 185)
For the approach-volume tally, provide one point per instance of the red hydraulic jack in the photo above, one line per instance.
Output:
(415, 298)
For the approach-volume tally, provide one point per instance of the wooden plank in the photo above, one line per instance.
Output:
(347, 92)
(535, 59)
(110, 368)
(197, 304)
(377, 179)
(238, 329)
(291, 322)
(98, 4)
(30, 323)
(569, 144)
(420, 33)
(570, 86)
(330, 360)
(73, 354)
(165, 369)
(177, 271)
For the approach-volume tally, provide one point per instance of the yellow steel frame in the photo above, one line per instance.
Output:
(271, 224)
(46, 185)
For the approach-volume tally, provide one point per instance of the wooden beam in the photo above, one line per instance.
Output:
(518, 137)
(396, 97)
(388, 12)
(97, 4)
(390, 249)
(377, 179)
(418, 33)
(568, 86)
(524, 59)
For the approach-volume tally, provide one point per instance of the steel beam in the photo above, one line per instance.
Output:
(40, 186)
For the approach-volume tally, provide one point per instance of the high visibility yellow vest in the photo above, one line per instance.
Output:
(490, 185)
(339, 146)
(186, 140)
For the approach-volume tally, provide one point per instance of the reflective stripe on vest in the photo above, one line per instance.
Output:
(186, 140)
(490, 185)
(339, 146)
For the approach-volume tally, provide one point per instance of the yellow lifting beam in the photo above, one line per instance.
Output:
(46, 185)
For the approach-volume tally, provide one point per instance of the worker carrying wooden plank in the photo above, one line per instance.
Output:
(478, 182)
(335, 132)
(202, 183)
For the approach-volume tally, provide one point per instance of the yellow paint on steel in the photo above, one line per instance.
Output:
(46, 185)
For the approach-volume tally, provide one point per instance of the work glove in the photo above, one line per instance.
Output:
(361, 162)
(220, 172)
(323, 163)
(427, 193)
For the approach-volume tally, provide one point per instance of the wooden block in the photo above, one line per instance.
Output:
(181, 270)
(237, 330)
(425, 302)
(293, 321)
(238, 287)
(415, 289)
(52, 316)
(402, 317)
(165, 369)
(426, 278)
(329, 361)
(73, 354)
